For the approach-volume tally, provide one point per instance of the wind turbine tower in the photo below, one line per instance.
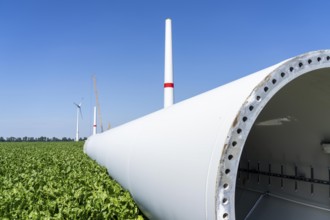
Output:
(168, 72)
(98, 103)
(78, 113)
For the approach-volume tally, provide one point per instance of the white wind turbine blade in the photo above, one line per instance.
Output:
(79, 106)
(80, 112)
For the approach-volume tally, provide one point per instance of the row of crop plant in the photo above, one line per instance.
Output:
(37, 139)
(56, 180)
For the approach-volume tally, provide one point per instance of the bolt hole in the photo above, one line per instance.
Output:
(282, 74)
(225, 186)
(319, 59)
(266, 89)
(239, 131)
(291, 69)
(234, 143)
(225, 216)
(251, 107)
(309, 61)
(300, 64)
(224, 200)
(258, 98)
(274, 81)
(245, 118)
(227, 171)
(230, 157)
(328, 57)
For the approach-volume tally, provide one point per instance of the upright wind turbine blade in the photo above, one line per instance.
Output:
(79, 106)
(80, 113)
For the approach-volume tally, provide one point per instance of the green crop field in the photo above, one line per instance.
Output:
(56, 180)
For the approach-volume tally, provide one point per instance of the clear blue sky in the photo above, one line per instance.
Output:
(49, 50)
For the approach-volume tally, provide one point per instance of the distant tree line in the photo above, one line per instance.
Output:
(37, 139)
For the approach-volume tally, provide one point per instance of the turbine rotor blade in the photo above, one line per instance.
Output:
(79, 106)
(80, 113)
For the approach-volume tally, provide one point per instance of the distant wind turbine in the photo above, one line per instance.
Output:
(78, 113)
